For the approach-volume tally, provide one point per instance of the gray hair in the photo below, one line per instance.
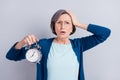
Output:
(55, 17)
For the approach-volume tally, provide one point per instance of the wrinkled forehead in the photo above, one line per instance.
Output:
(64, 17)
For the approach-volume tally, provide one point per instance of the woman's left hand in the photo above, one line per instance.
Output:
(74, 19)
(76, 22)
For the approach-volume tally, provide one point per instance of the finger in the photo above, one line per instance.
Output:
(74, 19)
(34, 38)
(28, 41)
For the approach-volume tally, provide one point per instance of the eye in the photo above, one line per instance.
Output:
(67, 22)
(58, 22)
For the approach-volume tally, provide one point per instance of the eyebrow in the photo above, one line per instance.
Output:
(65, 20)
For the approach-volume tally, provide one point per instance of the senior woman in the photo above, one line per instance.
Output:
(62, 57)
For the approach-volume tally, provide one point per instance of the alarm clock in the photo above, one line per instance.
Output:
(34, 55)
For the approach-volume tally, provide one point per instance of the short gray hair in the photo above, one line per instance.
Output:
(55, 17)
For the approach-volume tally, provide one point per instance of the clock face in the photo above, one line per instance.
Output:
(33, 55)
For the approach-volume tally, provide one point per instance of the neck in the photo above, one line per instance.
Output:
(62, 40)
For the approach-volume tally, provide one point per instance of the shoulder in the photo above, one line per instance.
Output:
(45, 41)
(76, 41)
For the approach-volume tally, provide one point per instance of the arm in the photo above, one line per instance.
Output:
(17, 51)
(100, 33)
(16, 54)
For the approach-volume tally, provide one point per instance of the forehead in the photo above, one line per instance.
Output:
(65, 17)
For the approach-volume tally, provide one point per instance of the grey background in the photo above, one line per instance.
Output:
(19, 18)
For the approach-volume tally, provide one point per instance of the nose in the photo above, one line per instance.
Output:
(62, 25)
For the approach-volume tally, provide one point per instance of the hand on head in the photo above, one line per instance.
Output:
(74, 19)
(76, 22)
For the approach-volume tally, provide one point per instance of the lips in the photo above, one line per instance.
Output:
(62, 32)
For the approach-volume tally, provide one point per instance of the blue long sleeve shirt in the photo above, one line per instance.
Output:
(79, 45)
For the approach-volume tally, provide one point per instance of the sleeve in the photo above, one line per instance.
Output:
(100, 34)
(16, 54)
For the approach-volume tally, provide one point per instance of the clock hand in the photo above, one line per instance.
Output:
(32, 54)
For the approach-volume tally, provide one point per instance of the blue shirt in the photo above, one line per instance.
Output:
(79, 45)
(62, 63)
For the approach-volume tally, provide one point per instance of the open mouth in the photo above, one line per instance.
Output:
(62, 32)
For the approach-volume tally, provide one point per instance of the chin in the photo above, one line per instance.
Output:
(63, 37)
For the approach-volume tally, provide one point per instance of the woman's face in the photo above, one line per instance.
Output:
(63, 26)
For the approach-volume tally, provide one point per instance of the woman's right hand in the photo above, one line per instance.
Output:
(27, 40)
